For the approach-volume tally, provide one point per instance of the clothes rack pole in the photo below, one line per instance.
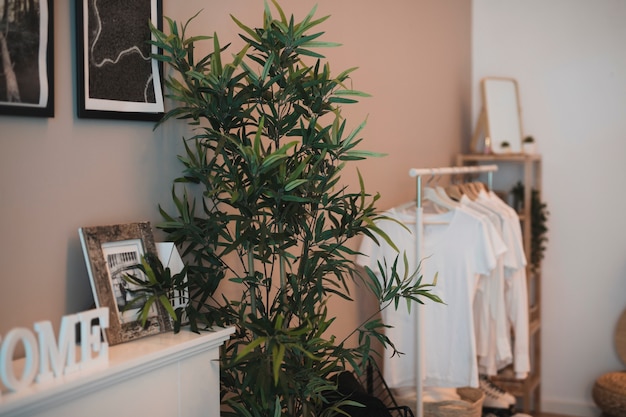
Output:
(417, 173)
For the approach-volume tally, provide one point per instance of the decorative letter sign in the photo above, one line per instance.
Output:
(46, 358)
(7, 373)
(91, 338)
(61, 358)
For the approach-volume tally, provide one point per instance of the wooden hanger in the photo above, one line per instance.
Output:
(454, 192)
(432, 195)
(470, 191)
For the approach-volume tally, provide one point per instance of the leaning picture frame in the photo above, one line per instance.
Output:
(110, 252)
(27, 45)
(117, 78)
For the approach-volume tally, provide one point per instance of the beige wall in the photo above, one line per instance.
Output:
(59, 174)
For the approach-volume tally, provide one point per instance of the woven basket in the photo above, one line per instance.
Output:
(470, 405)
(609, 393)
(620, 337)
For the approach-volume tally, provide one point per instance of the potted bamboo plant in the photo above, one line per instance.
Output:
(260, 207)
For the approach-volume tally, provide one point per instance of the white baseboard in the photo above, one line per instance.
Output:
(569, 408)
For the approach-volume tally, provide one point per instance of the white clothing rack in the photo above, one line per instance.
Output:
(419, 211)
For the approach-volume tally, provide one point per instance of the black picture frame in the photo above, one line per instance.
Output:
(109, 253)
(31, 51)
(116, 78)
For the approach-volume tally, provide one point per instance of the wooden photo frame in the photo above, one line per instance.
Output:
(27, 64)
(109, 252)
(117, 78)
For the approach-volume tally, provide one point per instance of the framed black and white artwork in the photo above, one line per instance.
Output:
(117, 77)
(27, 58)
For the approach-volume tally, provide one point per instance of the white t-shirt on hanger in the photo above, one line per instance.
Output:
(459, 252)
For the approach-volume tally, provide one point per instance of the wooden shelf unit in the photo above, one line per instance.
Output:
(527, 390)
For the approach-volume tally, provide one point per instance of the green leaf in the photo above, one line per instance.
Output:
(238, 59)
(246, 29)
(277, 407)
(257, 137)
(342, 100)
(314, 44)
(351, 93)
(275, 157)
(143, 318)
(280, 11)
(168, 306)
(147, 270)
(308, 52)
(359, 155)
(296, 199)
(353, 134)
(268, 64)
(216, 62)
(307, 23)
(131, 279)
(372, 226)
(294, 184)
(250, 347)
(278, 355)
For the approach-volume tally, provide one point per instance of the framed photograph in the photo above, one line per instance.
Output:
(27, 64)
(117, 78)
(110, 252)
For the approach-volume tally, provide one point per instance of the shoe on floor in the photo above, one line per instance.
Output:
(495, 397)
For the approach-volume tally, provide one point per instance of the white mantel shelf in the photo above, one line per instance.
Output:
(164, 375)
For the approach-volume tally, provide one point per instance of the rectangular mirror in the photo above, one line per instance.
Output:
(502, 114)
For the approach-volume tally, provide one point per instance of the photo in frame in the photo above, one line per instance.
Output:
(27, 63)
(116, 75)
(109, 253)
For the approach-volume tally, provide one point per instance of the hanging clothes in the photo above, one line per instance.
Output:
(476, 250)
(511, 314)
(459, 248)
(516, 290)
(493, 344)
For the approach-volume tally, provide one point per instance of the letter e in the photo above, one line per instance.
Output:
(91, 338)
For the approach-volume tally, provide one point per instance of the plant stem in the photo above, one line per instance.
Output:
(251, 280)
(282, 272)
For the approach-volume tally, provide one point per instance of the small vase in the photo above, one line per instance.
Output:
(529, 148)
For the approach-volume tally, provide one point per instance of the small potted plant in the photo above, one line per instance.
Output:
(154, 285)
(505, 147)
(528, 145)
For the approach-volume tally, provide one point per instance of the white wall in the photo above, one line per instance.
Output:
(569, 59)
(59, 174)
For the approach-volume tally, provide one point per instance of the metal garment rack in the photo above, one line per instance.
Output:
(418, 173)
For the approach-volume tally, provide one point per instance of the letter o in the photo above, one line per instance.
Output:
(31, 360)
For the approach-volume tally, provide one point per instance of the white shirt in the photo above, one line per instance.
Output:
(458, 252)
